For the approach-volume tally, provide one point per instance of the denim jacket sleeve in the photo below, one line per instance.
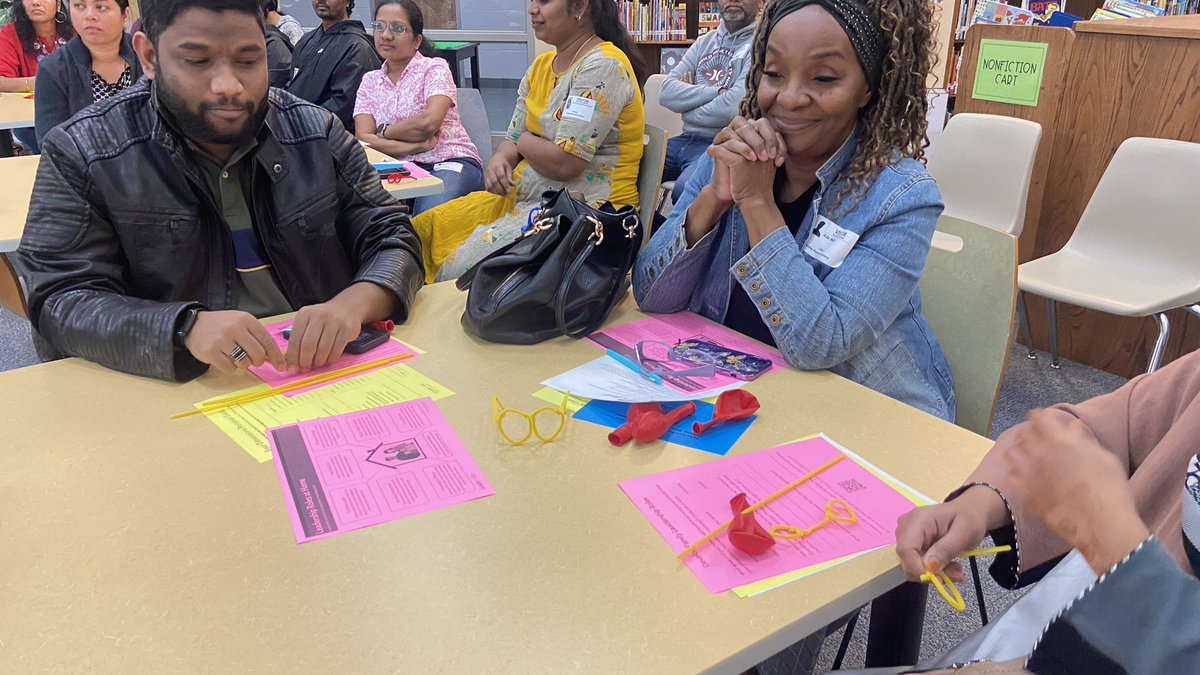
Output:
(666, 271)
(821, 317)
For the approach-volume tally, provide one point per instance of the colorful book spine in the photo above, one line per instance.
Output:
(1132, 8)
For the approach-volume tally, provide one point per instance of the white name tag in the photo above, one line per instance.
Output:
(829, 242)
(579, 108)
(448, 166)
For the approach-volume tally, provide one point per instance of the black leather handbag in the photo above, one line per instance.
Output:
(561, 277)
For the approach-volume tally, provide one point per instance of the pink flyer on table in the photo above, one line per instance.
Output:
(353, 471)
(681, 326)
(686, 504)
(267, 373)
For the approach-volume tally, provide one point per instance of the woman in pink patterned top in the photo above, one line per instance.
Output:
(408, 108)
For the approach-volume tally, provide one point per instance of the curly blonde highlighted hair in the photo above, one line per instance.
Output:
(894, 122)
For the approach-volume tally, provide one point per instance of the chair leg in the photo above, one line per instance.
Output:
(1023, 320)
(847, 635)
(1160, 345)
(1052, 320)
(983, 615)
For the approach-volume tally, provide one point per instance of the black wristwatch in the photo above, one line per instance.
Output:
(185, 324)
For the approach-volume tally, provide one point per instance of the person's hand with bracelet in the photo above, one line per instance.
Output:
(931, 537)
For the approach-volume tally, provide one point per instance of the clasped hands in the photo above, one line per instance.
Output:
(746, 155)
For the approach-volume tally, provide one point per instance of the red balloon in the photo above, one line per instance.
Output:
(745, 534)
(624, 433)
(735, 404)
(652, 425)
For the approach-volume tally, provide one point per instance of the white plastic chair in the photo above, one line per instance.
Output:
(983, 164)
(1134, 251)
(667, 120)
(650, 170)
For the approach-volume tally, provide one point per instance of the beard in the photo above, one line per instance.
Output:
(194, 125)
(733, 15)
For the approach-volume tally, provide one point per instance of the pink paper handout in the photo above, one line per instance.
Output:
(267, 373)
(672, 328)
(352, 471)
(686, 504)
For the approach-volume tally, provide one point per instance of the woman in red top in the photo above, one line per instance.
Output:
(37, 29)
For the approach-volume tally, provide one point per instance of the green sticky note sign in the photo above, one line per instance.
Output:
(1009, 72)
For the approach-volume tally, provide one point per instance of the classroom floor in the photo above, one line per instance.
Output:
(1028, 384)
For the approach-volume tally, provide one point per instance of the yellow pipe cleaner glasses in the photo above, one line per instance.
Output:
(517, 427)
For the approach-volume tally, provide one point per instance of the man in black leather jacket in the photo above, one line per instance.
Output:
(163, 215)
(331, 60)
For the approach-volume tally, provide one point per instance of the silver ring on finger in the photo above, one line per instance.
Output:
(238, 354)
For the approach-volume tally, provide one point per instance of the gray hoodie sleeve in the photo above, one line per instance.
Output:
(679, 96)
(720, 108)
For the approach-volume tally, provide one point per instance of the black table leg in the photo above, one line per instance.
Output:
(897, 621)
(475, 70)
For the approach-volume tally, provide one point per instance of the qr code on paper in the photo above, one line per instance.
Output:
(851, 485)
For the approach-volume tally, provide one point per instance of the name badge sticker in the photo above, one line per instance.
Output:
(448, 166)
(579, 108)
(829, 242)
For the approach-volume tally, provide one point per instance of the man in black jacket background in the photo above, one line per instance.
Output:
(170, 216)
(330, 61)
(279, 50)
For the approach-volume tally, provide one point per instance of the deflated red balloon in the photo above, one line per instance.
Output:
(652, 425)
(745, 534)
(735, 404)
(624, 433)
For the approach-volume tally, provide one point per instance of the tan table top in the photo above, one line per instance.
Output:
(133, 543)
(420, 187)
(17, 175)
(16, 111)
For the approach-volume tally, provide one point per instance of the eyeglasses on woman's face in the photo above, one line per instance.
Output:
(395, 27)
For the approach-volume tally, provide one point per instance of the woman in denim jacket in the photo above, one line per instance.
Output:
(808, 224)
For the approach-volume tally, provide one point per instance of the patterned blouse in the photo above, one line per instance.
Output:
(102, 89)
(594, 112)
(423, 78)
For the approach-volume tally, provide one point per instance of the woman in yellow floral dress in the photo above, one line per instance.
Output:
(578, 124)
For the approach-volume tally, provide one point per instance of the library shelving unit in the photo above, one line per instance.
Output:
(961, 15)
(657, 25)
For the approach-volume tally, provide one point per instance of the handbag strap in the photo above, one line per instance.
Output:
(560, 298)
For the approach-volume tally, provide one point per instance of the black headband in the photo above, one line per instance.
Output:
(866, 37)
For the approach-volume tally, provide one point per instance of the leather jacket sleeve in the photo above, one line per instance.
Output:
(374, 227)
(76, 273)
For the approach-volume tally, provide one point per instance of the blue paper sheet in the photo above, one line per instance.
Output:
(717, 440)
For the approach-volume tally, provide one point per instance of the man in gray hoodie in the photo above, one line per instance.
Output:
(707, 85)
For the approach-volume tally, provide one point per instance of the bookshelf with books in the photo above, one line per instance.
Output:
(664, 29)
(967, 12)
